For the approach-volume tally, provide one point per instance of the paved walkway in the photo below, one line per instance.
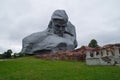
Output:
(5, 59)
(2, 60)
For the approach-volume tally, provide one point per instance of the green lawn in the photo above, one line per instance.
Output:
(30, 68)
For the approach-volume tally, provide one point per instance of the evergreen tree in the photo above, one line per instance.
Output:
(93, 43)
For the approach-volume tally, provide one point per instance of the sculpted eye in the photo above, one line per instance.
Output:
(62, 27)
(58, 26)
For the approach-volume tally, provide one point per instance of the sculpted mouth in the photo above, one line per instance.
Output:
(44, 51)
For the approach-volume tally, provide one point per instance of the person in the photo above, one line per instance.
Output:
(59, 36)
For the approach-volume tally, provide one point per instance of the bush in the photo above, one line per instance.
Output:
(1, 56)
(16, 55)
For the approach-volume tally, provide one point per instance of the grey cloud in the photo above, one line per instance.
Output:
(99, 19)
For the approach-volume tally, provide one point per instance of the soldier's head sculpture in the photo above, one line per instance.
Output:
(60, 35)
(59, 20)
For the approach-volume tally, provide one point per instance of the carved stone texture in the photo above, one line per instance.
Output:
(59, 36)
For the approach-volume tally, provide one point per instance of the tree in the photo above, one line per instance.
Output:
(93, 43)
(1, 56)
(7, 54)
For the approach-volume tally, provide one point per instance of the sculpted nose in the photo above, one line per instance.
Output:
(61, 28)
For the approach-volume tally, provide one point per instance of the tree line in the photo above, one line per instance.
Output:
(8, 54)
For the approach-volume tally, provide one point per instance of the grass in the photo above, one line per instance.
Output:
(30, 68)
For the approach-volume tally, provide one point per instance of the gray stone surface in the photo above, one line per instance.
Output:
(60, 35)
(92, 61)
(107, 58)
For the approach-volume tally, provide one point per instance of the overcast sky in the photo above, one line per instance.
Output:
(93, 19)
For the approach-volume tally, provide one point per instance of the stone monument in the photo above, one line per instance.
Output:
(104, 57)
(60, 35)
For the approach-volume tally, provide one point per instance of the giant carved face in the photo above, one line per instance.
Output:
(59, 20)
(59, 26)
